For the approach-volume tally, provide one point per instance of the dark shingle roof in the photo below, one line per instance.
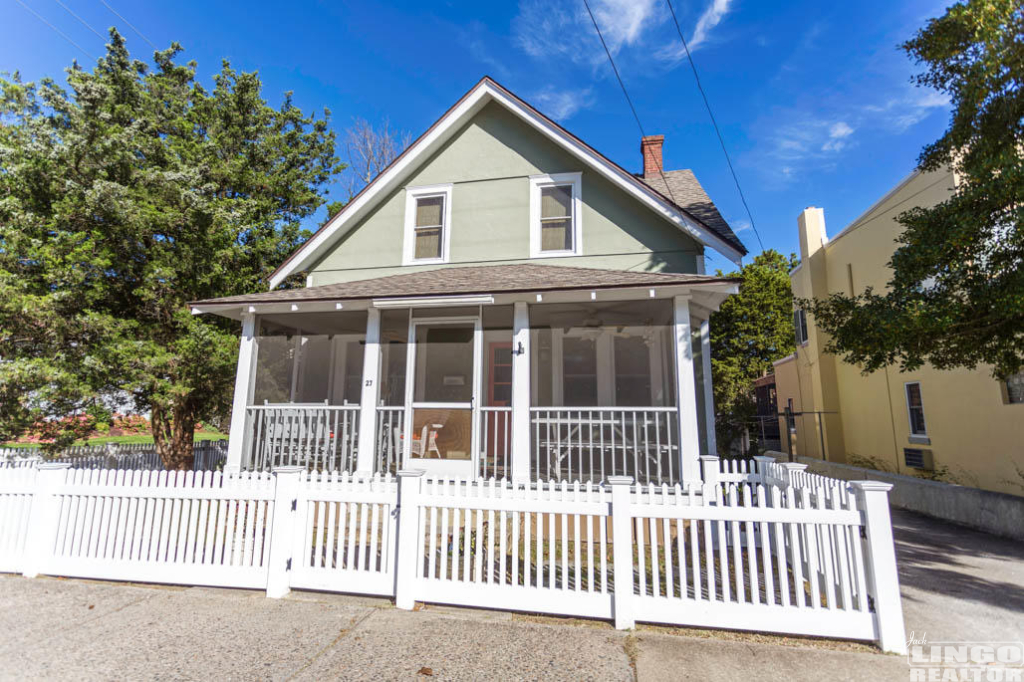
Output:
(682, 188)
(489, 279)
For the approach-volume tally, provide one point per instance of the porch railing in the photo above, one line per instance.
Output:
(318, 437)
(495, 442)
(593, 443)
(390, 429)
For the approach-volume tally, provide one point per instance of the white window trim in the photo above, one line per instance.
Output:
(910, 419)
(536, 183)
(409, 242)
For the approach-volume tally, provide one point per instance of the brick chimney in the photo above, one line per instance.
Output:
(650, 147)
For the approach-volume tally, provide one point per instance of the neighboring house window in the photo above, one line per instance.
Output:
(555, 225)
(800, 326)
(915, 409)
(428, 214)
(1015, 388)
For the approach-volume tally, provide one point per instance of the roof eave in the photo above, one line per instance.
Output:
(720, 286)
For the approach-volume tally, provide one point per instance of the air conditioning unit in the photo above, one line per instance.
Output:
(916, 458)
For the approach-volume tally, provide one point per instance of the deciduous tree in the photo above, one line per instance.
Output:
(749, 332)
(956, 297)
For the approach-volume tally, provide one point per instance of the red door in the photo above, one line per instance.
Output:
(498, 425)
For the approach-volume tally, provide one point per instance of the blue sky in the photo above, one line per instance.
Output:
(814, 99)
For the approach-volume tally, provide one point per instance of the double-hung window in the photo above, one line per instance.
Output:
(915, 412)
(427, 224)
(555, 225)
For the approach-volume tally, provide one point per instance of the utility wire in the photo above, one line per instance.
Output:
(636, 116)
(718, 132)
(629, 101)
(55, 29)
(129, 25)
(68, 10)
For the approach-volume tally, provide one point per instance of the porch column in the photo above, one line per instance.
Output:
(366, 454)
(244, 386)
(686, 394)
(521, 393)
(709, 395)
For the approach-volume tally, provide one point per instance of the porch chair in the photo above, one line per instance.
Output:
(427, 445)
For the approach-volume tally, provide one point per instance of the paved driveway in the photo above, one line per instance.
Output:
(957, 584)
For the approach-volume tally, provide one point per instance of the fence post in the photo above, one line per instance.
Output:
(43, 516)
(790, 471)
(286, 503)
(409, 486)
(711, 467)
(880, 562)
(789, 432)
(622, 552)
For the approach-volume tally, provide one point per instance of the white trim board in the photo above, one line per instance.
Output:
(482, 94)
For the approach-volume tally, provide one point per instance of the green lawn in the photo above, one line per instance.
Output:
(202, 435)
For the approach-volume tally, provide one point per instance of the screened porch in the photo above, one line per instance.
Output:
(436, 387)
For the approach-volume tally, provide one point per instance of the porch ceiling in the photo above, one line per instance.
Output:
(463, 281)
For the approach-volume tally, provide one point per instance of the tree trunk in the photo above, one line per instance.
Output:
(173, 433)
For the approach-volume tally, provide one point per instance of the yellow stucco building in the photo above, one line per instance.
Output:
(960, 426)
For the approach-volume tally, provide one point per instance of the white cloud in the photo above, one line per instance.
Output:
(839, 130)
(709, 19)
(911, 110)
(739, 225)
(546, 29)
(562, 104)
(837, 134)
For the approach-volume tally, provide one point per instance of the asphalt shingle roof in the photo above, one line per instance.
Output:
(682, 188)
(488, 279)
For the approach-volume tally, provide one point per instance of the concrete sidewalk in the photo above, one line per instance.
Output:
(957, 584)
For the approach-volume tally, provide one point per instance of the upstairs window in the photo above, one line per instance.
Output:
(915, 409)
(800, 326)
(427, 224)
(555, 228)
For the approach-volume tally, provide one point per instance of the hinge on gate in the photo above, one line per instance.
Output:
(295, 504)
(288, 566)
(394, 512)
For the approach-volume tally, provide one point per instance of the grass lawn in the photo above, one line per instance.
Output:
(202, 435)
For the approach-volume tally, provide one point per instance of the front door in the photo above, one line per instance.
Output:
(444, 360)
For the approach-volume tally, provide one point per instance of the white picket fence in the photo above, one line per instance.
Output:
(814, 557)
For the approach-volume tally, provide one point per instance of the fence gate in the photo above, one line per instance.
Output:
(514, 547)
(345, 534)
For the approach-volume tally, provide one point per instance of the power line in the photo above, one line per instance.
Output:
(618, 77)
(629, 101)
(55, 29)
(137, 31)
(718, 132)
(68, 10)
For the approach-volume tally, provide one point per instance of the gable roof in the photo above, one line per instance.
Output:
(485, 279)
(682, 188)
(481, 94)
